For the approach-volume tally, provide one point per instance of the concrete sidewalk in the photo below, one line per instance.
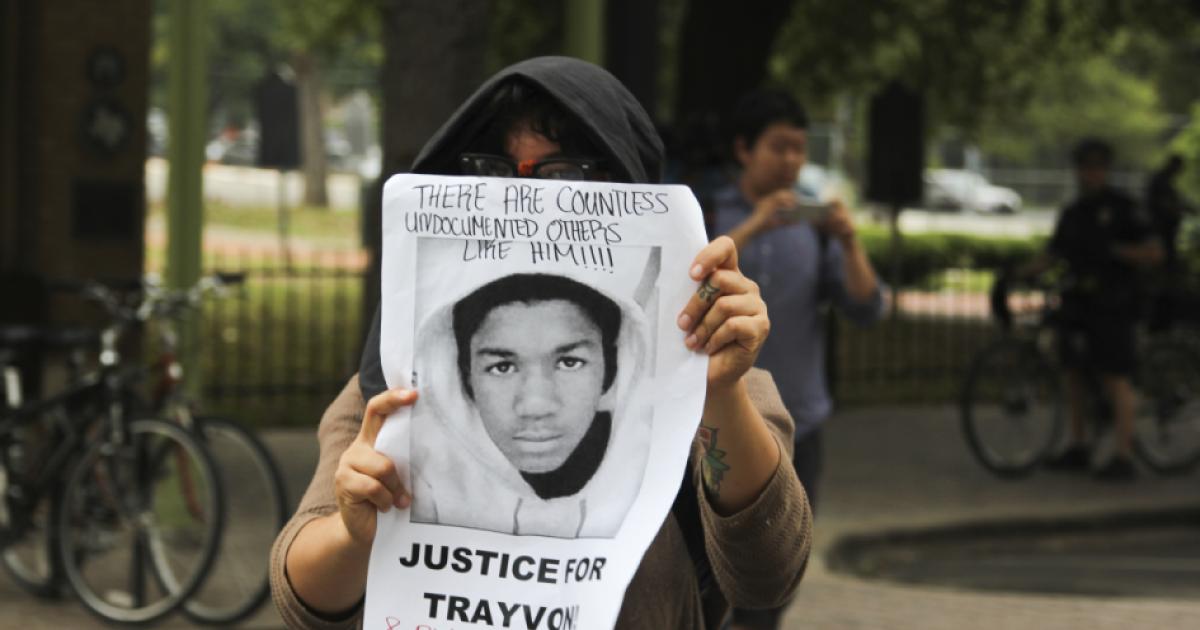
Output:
(885, 470)
(910, 470)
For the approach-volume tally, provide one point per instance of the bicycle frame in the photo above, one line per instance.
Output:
(1098, 405)
(164, 308)
(169, 398)
(103, 388)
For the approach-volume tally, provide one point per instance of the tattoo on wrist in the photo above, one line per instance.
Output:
(713, 467)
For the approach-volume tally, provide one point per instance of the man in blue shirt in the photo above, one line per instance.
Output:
(800, 265)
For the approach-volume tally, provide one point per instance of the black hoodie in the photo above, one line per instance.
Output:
(614, 120)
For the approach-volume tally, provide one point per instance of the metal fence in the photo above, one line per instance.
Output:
(278, 348)
(918, 353)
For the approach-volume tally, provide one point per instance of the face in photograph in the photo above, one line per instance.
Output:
(537, 373)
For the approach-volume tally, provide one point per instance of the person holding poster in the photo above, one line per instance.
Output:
(537, 370)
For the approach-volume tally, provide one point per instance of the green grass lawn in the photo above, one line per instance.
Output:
(277, 349)
(335, 224)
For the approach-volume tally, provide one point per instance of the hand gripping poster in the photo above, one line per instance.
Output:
(557, 401)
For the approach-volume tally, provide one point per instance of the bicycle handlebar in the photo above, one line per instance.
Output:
(154, 300)
(1006, 281)
(169, 302)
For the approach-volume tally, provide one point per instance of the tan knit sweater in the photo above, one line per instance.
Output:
(758, 555)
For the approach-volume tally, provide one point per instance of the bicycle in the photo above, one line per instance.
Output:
(1012, 409)
(92, 494)
(238, 582)
(24, 533)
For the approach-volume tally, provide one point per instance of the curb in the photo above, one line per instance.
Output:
(856, 554)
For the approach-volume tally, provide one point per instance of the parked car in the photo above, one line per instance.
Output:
(240, 147)
(952, 189)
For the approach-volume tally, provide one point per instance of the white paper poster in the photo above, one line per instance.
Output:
(536, 319)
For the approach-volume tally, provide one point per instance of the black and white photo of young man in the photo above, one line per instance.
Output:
(536, 353)
(530, 376)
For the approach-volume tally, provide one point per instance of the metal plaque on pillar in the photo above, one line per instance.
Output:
(105, 210)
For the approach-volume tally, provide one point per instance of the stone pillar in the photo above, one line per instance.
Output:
(74, 102)
(15, 139)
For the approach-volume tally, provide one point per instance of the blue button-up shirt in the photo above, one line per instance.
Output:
(796, 276)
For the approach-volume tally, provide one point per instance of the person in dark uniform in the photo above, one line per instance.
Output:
(1167, 209)
(1106, 242)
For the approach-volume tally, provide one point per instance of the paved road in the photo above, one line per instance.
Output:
(909, 470)
(886, 470)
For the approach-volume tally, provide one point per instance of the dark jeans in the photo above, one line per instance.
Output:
(806, 459)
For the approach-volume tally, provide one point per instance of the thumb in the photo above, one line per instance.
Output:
(380, 407)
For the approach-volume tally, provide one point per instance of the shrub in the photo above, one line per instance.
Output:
(922, 256)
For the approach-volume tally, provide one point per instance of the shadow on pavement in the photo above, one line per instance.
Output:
(1138, 554)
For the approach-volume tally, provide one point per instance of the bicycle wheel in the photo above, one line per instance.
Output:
(30, 561)
(1167, 427)
(132, 544)
(1011, 409)
(255, 510)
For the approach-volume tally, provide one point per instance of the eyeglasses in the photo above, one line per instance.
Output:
(487, 165)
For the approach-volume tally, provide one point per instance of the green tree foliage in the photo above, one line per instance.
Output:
(240, 52)
(1092, 97)
(331, 47)
(1020, 76)
(248, 38)
(520, 29)
(343, 36)
(967, 57)
(1187, 144)
(925, 255)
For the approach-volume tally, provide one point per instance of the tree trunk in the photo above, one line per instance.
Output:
(312, 129)
(433, 59)
(724, 50)
(631, 50)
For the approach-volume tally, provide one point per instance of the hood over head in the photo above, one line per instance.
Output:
(610, 115)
